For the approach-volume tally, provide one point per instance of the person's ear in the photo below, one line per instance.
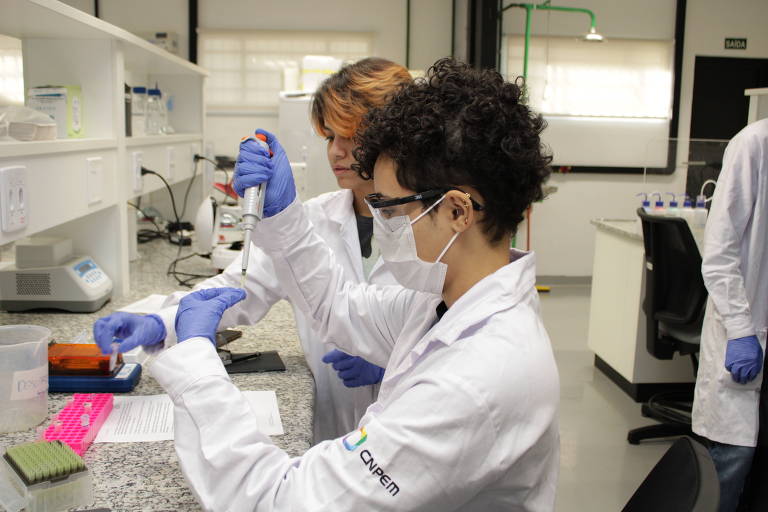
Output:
(460, 211)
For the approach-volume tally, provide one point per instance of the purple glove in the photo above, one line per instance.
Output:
(200, 312)
(130, 330)
(744, 358)
(354, 371)
(254, 166)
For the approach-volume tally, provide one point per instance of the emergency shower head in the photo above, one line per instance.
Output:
(592, 36)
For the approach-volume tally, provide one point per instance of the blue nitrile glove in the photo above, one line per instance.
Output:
(354, 371)
(744, 358)
(130, 330)
(254, 166)
(200, 312)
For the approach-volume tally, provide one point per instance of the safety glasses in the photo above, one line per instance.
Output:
(400, 206)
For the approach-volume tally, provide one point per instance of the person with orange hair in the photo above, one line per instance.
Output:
(343, 220)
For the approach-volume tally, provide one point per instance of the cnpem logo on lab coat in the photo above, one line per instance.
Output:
(351, 443)
(355, 439)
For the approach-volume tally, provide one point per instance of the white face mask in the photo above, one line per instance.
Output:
(398, 250)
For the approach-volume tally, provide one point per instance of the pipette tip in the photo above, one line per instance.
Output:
(113, 357)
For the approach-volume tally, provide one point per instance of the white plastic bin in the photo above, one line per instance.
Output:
(23, 376)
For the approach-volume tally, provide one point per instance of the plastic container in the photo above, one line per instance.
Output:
(688, 212)
(672, 207)
(168, 106)
(700, 214)
(78, 423)
(154, 113)
(73, 488)
(646, 205)
(138, 111)
(23, 376)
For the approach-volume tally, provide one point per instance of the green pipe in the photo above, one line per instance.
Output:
(528, 10)
(545, 6)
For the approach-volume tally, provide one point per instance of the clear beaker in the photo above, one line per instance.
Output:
(23, 376)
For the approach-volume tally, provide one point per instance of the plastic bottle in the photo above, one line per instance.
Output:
(138, 111)
(168, 105)
(658, 206)
(672, 209)
(687, 212)
(646, 205)
(154, 112)
(700, 215)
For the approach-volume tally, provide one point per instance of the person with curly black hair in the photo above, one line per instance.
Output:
(466, 417)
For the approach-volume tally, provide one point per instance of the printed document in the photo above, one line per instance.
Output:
(150, 417)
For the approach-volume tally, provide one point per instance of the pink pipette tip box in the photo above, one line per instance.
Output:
(80, 420)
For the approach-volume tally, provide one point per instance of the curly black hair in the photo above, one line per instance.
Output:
(461, 126)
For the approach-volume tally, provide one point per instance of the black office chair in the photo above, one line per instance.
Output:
(675, 298)
(684, 480)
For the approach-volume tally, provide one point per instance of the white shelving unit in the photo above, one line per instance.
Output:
(80, 187)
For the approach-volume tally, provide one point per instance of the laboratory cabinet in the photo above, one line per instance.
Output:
(80, 187)
(617, 322)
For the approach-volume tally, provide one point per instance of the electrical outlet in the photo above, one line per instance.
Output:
(94, 179)
(136, 164)
(170, 152)
(13, 191)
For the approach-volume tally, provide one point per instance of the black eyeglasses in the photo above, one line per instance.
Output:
(376, 201)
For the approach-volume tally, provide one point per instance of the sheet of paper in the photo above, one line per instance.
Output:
(149, 304)
(150, 417)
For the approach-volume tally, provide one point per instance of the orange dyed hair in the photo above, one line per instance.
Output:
(343, 99)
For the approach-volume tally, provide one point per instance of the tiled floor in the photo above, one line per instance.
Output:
(599, 470)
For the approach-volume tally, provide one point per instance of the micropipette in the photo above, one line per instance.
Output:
(253, 210)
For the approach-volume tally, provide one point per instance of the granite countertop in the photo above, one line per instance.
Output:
(624, 227)
(147, 476)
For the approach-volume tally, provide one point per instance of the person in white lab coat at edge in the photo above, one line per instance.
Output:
(735, 271)
(466, 417)
(344, 222)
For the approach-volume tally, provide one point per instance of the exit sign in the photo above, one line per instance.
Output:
(733, 43)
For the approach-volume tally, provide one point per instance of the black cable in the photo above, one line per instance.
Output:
(147, 235)
(190, 277)
(189, 187)
(144, 171)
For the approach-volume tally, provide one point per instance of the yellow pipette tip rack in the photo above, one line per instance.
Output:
(43, 476)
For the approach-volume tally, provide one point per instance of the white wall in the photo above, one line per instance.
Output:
(708, 23)
(430, 35)
(430, 39)
(430, 32)
(140, 16)
(386, 20)
(649, 19)
(562, 235)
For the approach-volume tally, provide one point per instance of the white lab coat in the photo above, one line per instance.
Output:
(337, 407)
(466, 417)
(735, 270)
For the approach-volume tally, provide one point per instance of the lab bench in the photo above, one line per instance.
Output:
(617, 330)
(147, 476)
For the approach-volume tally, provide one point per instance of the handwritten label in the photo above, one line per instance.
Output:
(28, 384)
